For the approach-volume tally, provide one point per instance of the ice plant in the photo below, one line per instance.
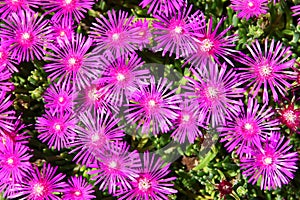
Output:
(116, 167)
(152, 182)
(249, 8)
(296, 11)
(56, 128)
(59, 97)
(38, 185)
(161, 6)
(187, 125)
(177, 32)
(122, 76)
(225, 188)
(14, 161)
(68, 8)
(212, 45)
(290, 116)
(271, 162)
(26, 34)
(17, 134)
(251, 125)
(268, 69)
(72, 62)
(78, 189)
(153, 106)
(6, 115)
(217, 92)
(96, 130)
(62, 30)
(7, 7)
(115, 34)
(6, 61)
(144, 33)
(5, 75)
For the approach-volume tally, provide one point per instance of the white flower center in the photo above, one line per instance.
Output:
(57, 127)
(38, 189)
(77, 193)
(112, 164)
(62, 34)
(265, 70)
(68, 1)
(178, 29)
(212, 92)
(250, 4)
(248, 126)
(25, 36)
(186, 117)
(10, 161)
(61, 99)
(268, 161)
(151, 103)
(290, 116)
(120, 77)
(206, 45)
(72, 61)
(144, 184)
(93, 94)
(115, 36)
(95, 138)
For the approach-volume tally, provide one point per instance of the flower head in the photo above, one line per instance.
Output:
(161, 6)
(56, 128)
(115, 34)
(26, 34)
(151, 182)
(144, 32)
(153, 105)
(78, 189)
(249, 8)
(72, 61)
(216, 91)
(116, 167)
(14, 161)
(6, 61)
(97, 129)
(39, 185)
(59, 97)
(177, 32)
(270, 161)
(61, 31)
(212, 45)
(68, 8)
(122, 76)
(7, 7)
(16, 134)
(289, 115)
(251, 125)
(188, 123)
(269, 69)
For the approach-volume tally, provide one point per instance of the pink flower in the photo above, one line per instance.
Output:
(7, 7)
(249, 8)
(78, 189)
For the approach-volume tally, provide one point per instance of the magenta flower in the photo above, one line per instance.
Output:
(122, 76)
(14, 161)
(17, 134)
(56, 128)
(38, 185)
(188, 123)
(178, 32)
(269, 69)
(72, 62)
(26, 34)
(163, 6)
(153, 106)
(296, 11)
(216, 91)
(68, 8)
(5, 75)
(116, 33)
(144, 33)
(61, 31)
(7, 7)
(78, 189)
(6, 61)
(212, 45)
(97, 129)
(6, 115)
(270, 161)
(289, 115)
(249, 8)
(251, 125)
(151, 182)
(116, 167)
(59, 97)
